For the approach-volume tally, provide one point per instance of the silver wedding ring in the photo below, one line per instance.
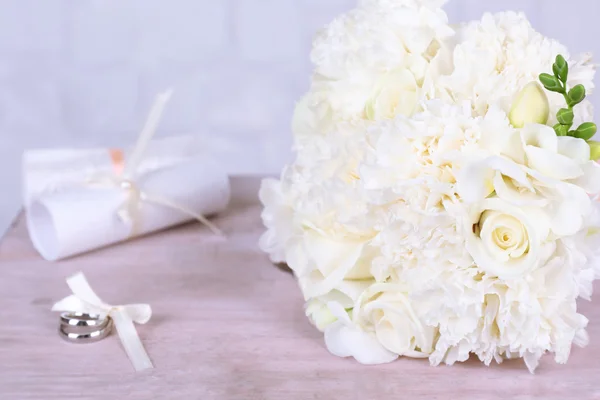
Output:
(84, 328)
(82, 319)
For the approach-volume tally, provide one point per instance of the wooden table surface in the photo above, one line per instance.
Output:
(227, 325)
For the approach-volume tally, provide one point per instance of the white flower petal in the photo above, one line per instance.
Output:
(339, 312)
(496, 132)
(344, 341)
(510, 169)
(336, 340)
(590, 180)
(394, 335)
(506, 190)
(569, 209)
(540, 136)
(575, 149)
(331, 255)
(353, 289)
(475, 182)
(551, 164)
(532, 360)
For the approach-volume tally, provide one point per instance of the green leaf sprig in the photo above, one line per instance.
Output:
(558, 83)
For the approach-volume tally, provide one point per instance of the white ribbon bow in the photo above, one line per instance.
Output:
(129, 211)
(84, 300)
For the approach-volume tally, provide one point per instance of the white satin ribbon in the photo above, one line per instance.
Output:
(129, 211)
(84, 300)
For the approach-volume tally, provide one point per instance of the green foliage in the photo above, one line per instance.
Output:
(586, 131)
(551, 83)
(565, 116)
(561, 69)
(576, 95)
(557, 82)
(561, 130)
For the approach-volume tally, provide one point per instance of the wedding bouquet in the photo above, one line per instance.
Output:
(443, 197)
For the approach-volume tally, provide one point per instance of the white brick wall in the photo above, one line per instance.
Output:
(83, 72)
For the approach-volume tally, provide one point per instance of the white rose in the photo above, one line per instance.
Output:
(322, 262)
(503, 235)
(384, 322)
(395, 93)
(346, 294)
(504, 240)
(388, 312)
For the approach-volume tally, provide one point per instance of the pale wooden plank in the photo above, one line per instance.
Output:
(227, 325)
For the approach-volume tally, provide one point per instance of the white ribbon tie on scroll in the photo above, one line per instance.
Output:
(85, 300)
(129, 211)
(78, 200)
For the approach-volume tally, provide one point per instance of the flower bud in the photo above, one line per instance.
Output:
(586, 131)
(594, 150)
(531, 106)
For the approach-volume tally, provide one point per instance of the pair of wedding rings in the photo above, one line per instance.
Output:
(84, 328)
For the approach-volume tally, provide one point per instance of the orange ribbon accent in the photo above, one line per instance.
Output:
(117, 159)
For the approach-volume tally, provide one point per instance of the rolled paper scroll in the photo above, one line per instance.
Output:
(81, 200)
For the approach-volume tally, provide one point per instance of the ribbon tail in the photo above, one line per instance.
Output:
(129, 214)
(69, 303)
(82, 289)
(139, 313)
(167, 203)
(147, 133)
(131, 341)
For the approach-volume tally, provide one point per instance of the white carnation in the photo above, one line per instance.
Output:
(498, 56)
(277, 215)
(372, 63)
